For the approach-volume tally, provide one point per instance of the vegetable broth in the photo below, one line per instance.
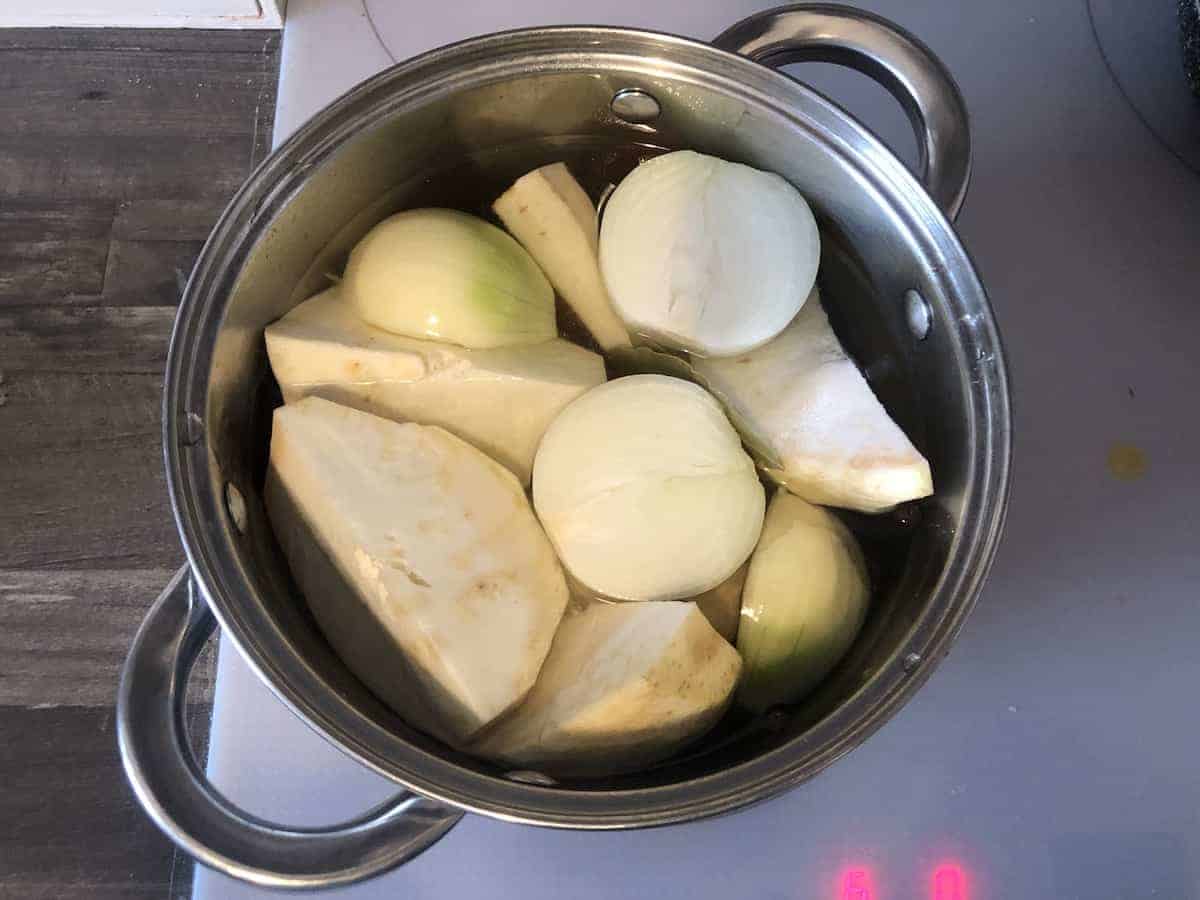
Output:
(889, 541)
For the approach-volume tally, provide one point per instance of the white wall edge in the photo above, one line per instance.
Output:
(272, 14)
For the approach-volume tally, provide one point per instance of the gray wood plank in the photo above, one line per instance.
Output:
(81, 472)
(159, 93)
(49, 268)
(64, 635)
(119, 150)
(55, 247)
(119, 167)
(80, 462)
(51, 888)
(23, 219)
(147, 217)
(134, 114)
(227, 43)
(86, 340)
(74, 828)
(143, 273)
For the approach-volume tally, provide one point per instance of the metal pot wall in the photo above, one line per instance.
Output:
(471, 117)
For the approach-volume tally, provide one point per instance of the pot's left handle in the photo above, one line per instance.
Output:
(172, 788)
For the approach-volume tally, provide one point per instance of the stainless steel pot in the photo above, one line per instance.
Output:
(474, 115)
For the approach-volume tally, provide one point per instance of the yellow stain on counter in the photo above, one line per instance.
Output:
(1126, 462)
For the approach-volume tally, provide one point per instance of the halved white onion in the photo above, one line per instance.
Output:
(446, 275)
(645, 491)
(804, 601)
(706, 255)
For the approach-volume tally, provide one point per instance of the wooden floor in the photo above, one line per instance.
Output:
(118, 150)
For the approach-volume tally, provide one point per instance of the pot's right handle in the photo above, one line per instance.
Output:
(882, 50)
(172, 788)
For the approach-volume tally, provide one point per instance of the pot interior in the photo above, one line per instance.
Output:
(447, 140)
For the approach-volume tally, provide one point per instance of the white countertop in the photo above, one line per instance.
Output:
(1053, 754)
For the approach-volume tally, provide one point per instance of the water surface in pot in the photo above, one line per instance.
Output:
(903, 548)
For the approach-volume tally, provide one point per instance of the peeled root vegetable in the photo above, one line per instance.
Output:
(645, 491)
(500, 400)
(445, 275)
(722, 605)
(625, 685)
(706, 255)
(803, 604)
(827, 436)
(420, 559)
(553, 218)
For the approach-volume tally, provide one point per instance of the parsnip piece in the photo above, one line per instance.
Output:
(553, 218)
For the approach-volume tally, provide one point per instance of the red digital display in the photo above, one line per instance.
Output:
(949, 882)
(856, 885)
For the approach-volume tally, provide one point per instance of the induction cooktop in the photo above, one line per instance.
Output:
(1053, 754)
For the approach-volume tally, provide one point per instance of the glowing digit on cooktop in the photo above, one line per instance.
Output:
(856, 885)
(949, 882)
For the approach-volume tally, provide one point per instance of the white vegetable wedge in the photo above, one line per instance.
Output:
(447, 276)
(420, 558)
(625, 685)
(501, 400)
(722, 606)
(804, 601)
(805, 401)
(553, 218)
(706, 255)
(644, 489)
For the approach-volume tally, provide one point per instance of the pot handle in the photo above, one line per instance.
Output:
(882, 50)
(172, 788)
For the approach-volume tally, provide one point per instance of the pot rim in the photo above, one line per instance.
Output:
(195, 493)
